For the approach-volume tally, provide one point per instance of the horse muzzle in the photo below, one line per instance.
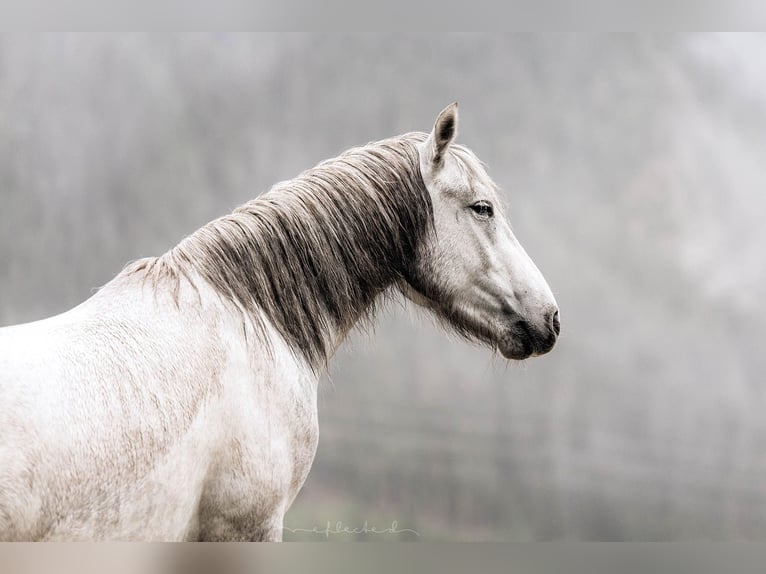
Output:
(523, 339)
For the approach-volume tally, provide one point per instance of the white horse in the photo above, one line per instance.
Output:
(179, 402)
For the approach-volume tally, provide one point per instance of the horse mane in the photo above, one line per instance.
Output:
(313, 253)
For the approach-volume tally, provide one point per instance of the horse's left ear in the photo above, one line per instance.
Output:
(444, 132)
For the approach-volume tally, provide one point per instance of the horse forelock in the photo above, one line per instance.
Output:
(313, 253)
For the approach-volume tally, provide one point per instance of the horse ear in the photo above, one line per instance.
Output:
(444, 132)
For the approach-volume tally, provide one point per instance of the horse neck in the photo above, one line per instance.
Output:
(313, 255)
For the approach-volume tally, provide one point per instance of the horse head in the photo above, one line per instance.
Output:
(472, 272)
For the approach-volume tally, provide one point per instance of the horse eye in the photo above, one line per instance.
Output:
(483, 209)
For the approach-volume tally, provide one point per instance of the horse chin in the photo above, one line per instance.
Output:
(520, 342)
(515, 349)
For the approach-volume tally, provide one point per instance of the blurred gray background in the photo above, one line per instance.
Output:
(634, 169)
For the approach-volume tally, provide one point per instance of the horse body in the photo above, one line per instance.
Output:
(179, 402)
(200, 435)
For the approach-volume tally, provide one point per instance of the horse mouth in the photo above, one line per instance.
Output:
(521, 342)
(515, 348)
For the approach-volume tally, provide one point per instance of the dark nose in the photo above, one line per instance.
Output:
(554, 322)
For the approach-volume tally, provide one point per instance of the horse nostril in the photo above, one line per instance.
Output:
(556, 322)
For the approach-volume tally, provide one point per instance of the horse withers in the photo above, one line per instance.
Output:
(180, 401)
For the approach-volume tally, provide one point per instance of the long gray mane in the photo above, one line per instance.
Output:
(314, 252)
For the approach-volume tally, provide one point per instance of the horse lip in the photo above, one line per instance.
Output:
(517, 345)
(514, 353)
(547, 345)
(521, 341)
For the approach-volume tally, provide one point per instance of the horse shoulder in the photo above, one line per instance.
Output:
(271, 440)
